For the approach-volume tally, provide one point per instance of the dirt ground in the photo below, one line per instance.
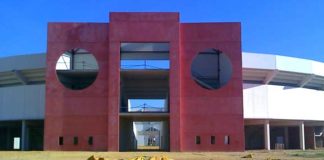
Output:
(257, 155)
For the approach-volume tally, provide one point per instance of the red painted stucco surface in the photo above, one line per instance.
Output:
(80, 113)
(219, 112)
(194, 111)
(143, 27)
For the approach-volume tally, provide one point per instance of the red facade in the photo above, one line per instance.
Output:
(194, 111)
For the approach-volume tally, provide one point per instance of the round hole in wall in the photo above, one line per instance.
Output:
(211, 69)
(77, 69)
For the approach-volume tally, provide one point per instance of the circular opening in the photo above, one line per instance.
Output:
(211, 69)
(77, 69)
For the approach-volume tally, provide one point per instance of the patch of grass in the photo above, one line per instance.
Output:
(309, 154)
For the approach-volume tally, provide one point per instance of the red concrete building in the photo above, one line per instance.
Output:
(88, 102)
(145, 81)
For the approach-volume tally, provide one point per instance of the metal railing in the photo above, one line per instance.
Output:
(83, 65)
(143, 108)
(144, 64)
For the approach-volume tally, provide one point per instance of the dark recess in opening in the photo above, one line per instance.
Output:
(90, 140)
(212, 140)
(197, 139)
(75, 140)
(211, 69)
(61, 141)
(77, 69)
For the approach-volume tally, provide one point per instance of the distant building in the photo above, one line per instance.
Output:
(145, 81)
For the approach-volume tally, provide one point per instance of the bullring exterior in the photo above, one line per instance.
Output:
(146, 81)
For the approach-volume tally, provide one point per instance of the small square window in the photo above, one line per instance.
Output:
(90, 140)
(61, 141)
(75, 140)
(197, 139)
(212, 139)
(227, 139)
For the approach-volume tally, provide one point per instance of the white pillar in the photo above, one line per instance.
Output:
(267, 135)
(302, 135)
(23, 135)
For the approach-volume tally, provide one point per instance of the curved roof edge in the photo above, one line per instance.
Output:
(257, 68)
(21, 62)
(283, 70)
(22, 70)
(284, 63)
(249, 61)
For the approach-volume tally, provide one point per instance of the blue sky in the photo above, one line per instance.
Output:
(285, 27)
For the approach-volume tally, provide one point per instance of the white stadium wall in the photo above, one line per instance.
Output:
(282, 102)
(24, 102)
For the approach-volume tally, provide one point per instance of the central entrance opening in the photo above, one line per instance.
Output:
(143, 135)
(149, 135)
(144, 97)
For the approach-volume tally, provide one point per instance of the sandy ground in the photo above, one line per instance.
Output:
(257, 155)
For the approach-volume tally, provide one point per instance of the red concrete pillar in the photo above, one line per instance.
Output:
(175, 97)
(113, 95)
(144, 27)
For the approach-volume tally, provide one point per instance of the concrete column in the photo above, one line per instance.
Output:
(302, 135)
(286, 138)
(267, 135)
(23, 135)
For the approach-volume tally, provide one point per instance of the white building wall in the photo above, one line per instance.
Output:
(280, 102)
(22, 102)
(255, 100)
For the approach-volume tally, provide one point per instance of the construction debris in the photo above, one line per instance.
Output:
(136, 158)
(150, 158)
(248, 156)
(92, 158)
(165, 158)
(95, 158)
(140, 158)
(154, 158)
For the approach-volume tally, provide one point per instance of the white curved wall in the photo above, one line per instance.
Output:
(22, 102)
(280, 102)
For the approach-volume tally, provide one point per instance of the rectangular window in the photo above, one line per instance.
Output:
(90, 140)
(61, 141)
(197, 139)
(75, 140)
(147, 105)
(144, 56)
(212, 140)
(227, 139)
